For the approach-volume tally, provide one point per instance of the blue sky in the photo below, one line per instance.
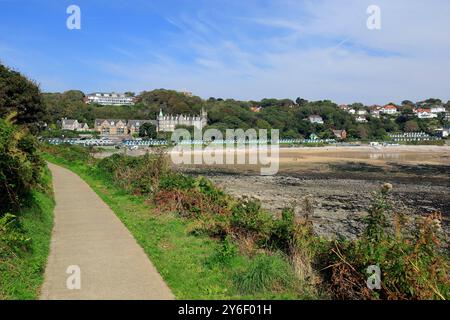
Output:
(250, 49)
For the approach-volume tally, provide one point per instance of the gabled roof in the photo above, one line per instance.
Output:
(68, 121)
(111, 122)
(422, 110)
(106, 94)
(339, 133)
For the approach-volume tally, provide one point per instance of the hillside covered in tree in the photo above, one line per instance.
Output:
(290, 117)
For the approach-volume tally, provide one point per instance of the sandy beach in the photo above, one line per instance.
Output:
(405, 153)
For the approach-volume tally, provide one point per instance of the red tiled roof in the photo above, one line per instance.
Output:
(420, 110)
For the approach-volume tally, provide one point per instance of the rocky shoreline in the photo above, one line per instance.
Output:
(342, 194)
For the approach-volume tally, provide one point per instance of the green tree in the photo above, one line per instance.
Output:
(171, 102)
(408, 103)
(433, 102)
(262, 124)
(357, 106)
(291, 134)
(326, 134)
(22, 96)
(148, 130)
(301, 102)
(73, 96)
(411, 126)
(363, 132)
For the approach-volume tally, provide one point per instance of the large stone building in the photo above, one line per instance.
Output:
(163, 123)
(69, 124)
(111, 127)
(73, 125)
(167, 123)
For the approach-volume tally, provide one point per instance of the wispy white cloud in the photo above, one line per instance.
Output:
(316, 49)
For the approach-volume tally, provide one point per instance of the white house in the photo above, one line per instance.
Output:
(437, 109)
(361, 119)
(361, 112)
(375, 112)
(116, 99)
(315, 119)
(425, 113)
(389, 109)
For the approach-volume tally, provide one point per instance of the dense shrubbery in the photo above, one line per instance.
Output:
(413, 264)
(136, 175)
(74, 154)
(20, 172)
(285, 251)
(58, 133)
(20, 165)
(12, 238)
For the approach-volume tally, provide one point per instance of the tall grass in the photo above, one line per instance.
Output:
(265, 273)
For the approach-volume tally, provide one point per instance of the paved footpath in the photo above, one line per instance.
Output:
(89, 235)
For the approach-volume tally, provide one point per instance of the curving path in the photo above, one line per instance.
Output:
(89, 235)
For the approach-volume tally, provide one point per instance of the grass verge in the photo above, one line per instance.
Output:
(22, 273)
